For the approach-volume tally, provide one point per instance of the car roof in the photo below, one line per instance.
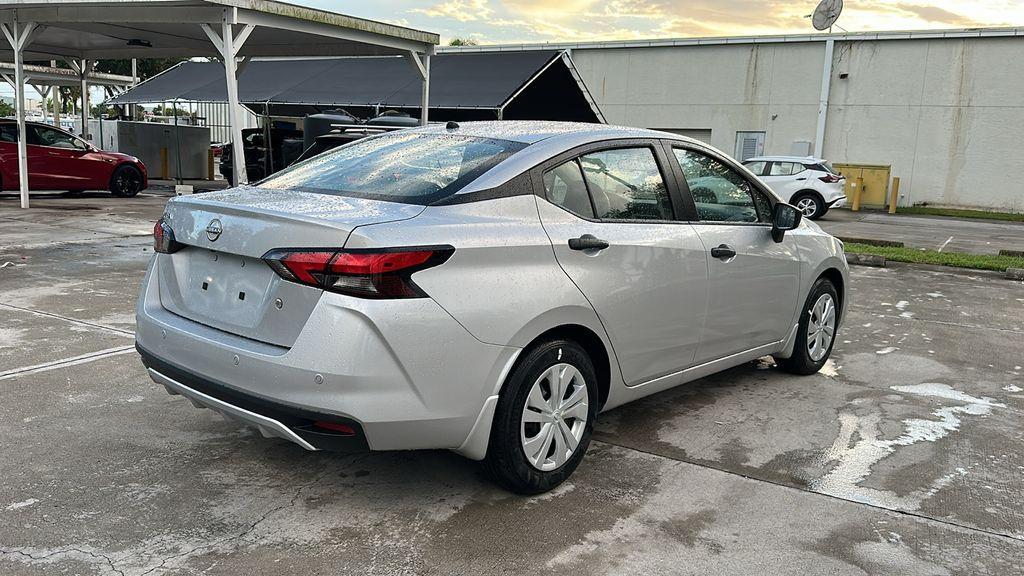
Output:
(801, 159)
(533, 131)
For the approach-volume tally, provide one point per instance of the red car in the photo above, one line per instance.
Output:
(59, 160)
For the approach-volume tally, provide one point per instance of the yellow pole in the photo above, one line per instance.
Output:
(163, 164)
(858, 188)
(894, 196)
(209, 164)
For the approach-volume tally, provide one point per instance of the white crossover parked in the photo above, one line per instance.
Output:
(811, 184)
(487, 288)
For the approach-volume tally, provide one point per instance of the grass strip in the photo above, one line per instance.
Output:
(954, 259)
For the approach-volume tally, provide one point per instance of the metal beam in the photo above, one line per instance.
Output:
(17, 34)
(226, 45)
(350, 34)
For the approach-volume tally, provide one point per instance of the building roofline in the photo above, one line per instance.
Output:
(991, 32)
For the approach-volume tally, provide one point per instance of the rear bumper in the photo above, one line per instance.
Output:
(837, 202)
(273, 419)
(403, 374)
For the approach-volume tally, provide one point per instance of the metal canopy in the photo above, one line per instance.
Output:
(81, 31)
(51, 76)
(538, 85)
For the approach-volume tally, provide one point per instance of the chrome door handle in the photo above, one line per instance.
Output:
(587, 242)
(723, 252)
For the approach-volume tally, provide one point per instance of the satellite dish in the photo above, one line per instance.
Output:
(826, 14)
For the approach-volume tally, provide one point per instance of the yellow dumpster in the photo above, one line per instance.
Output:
(876, 183)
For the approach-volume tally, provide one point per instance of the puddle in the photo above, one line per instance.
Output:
(859, 446)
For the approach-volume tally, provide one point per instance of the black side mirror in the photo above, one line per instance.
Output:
(784, 218)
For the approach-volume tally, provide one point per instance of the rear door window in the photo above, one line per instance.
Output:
(565, 187)
(720, 193)
(756, 167)
(785, 168)
(626, 184)
(397, 167)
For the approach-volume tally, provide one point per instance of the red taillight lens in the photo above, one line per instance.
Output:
(343, 429)
(382, 273)
(830, 178)
(163, 238)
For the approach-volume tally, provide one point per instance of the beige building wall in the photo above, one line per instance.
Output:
(947, 114)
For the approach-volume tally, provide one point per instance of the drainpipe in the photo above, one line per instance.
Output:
(826, 82)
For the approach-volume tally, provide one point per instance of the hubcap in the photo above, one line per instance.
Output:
(821, 327)
(807, 205)
(554, 417)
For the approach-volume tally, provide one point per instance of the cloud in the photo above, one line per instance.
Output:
(461, 10)
(936, 14)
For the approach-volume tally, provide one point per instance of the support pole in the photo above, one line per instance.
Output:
(83, 76)
(135, 82)
(826, 83)
(17, 34)
(229, 48)
(425, 105)
(894, 196)
(56, 106)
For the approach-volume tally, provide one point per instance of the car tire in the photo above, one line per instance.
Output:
(524, 419)
(126, 181)
(816, 334)
(810, 204)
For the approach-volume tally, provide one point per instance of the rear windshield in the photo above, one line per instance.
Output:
(397, 167)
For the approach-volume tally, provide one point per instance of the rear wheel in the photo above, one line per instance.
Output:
(544, 418)
(817, 331)
(126, 181)
(810, 204)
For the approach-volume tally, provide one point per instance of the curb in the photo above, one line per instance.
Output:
(1014, 253)
(871, 242)
(1015, 274)
(872, 260)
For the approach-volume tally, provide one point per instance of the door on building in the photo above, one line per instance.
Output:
(875, 193)
(749, 145)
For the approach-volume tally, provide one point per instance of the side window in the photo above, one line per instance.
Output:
(626, 184)
(54, 138)
(756, 167)
(785, 169)
(8, 133)
(720, 193)
(564, 186)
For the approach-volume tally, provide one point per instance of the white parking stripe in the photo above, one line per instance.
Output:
(948, 240)
(72, 361)
(118, 331)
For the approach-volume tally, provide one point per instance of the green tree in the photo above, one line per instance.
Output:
(462, 42)
(6, 109)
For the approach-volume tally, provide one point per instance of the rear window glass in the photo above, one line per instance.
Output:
(397, 167)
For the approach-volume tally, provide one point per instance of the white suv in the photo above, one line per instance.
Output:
(810, 184)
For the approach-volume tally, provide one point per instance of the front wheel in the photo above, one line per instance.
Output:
(544, 418)
(126, 181)
(817, 331)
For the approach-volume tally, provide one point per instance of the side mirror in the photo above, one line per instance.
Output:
(784, 218)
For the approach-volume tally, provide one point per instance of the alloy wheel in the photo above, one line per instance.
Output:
(808, 206)
(554, 417)
(821, 327)
(128, 182)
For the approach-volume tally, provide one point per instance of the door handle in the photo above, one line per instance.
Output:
(587, 242)
(801, 179)
(723, 252)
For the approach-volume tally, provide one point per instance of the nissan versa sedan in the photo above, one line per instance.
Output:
(488, 288)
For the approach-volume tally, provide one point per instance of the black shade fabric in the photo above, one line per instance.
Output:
(477, 80)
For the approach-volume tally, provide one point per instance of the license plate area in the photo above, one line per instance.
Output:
(227, 288)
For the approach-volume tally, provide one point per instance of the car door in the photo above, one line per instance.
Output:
(785, 178)
(753, 282)
(613, 227)
(60, 161)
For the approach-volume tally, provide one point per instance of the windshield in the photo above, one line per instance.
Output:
(397, 167)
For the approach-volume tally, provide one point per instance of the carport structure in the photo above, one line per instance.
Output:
(46, 78)
(233, 31)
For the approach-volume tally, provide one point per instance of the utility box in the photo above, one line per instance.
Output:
(146, 140)
(876, 183)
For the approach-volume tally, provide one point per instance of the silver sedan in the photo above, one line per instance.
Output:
(487, 288)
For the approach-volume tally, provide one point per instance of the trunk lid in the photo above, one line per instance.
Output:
(219, 279)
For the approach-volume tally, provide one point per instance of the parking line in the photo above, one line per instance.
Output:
(118, 331)
(72, 361)
(948, 240)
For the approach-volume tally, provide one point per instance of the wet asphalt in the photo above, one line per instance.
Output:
(902, 457)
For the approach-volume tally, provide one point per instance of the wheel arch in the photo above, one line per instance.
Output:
(808, 192)
(591, 343)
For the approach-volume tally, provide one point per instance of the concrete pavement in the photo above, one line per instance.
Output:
(931, 232)
(901, 457)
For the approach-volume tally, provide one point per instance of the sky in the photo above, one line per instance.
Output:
(517, 21)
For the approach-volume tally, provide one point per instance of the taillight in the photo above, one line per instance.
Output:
(379, 273)
(830, 178)
(163, 238)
